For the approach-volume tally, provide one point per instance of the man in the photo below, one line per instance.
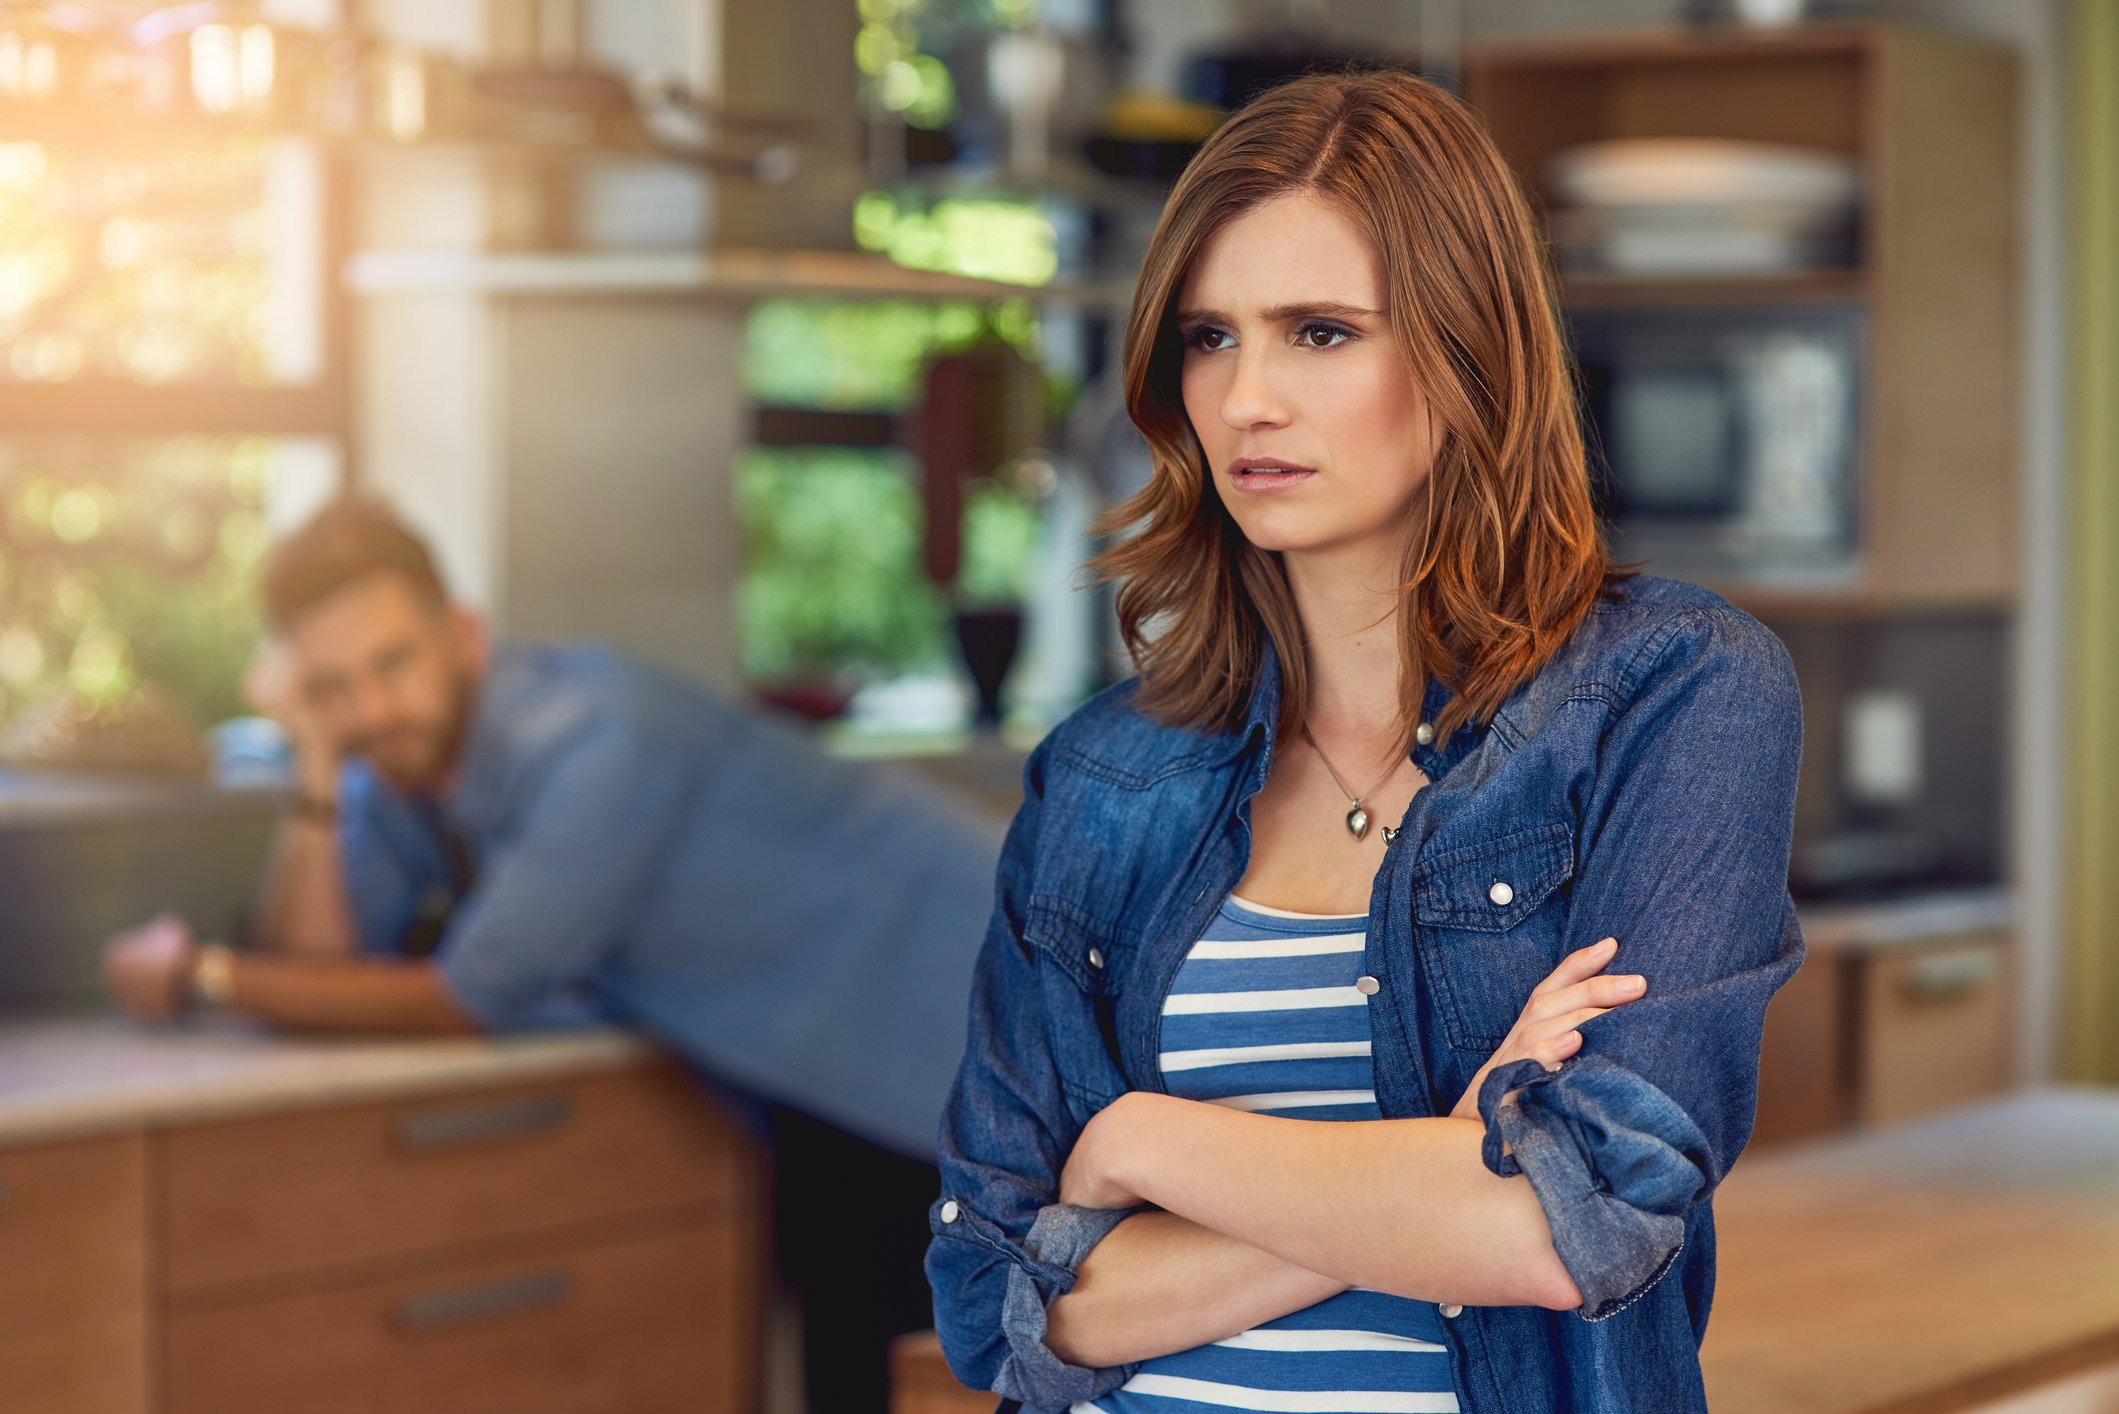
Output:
(492, 838)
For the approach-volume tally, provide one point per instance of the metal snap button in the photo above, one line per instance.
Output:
(1424, 733)
(1501, 894)
(1096, 957)
(949, 1211)
(1367, 986)
(1450, 1310)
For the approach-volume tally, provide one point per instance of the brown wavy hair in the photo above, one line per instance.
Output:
(1504, 553)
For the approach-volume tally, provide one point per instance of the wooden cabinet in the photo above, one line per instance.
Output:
(920, 1381)
(74, 1304)
(649, 1322)
(590, 1245)
(1934, 1026)
(1874, 1033)
(1931, 119)
(314, 1192)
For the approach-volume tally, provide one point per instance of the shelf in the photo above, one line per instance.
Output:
(730, 273)
(105, 407)
(1614, 290)
(1931, 118)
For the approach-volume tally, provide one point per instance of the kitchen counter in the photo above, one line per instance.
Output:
(77, 1077)
(1931, 1266)
(1915, 918)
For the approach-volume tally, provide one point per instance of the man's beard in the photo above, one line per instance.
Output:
(419, 756)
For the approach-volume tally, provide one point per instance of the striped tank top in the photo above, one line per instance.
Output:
(1265, 1016)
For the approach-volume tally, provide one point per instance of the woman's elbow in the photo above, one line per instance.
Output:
(1552, 1287)
(1536, 1272)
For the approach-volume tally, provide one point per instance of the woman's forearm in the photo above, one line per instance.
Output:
(1405, 1205)
(1160, 1283)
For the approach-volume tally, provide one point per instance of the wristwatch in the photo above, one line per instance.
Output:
(213, 977)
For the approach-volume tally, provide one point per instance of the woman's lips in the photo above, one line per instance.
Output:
(1267, 478)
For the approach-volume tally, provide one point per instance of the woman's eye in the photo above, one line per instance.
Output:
(1207, 337)
(1322, 336)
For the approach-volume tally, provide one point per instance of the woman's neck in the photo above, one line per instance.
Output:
(1349, 609)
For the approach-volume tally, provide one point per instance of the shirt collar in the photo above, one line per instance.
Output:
(1433, 758)
(482, 759)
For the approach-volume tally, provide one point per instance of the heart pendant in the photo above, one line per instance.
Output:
(1357, 823)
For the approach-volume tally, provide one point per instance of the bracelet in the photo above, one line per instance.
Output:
(213, 977)
(321, 809)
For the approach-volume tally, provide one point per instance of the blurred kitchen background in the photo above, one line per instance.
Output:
(776, 341)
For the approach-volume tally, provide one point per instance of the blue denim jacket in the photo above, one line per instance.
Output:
(1641, 785)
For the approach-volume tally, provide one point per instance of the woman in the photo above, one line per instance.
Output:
(1300, 1074)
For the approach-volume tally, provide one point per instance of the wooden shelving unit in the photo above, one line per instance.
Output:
(1932, 120)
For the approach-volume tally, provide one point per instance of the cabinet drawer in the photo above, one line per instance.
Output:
(660, 1323)
(336, 1188)
(1934, 1026)
(73, 1278)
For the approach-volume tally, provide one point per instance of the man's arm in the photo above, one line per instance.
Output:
(347, 994)
(304, 907)
(303, 904)
(151, 971)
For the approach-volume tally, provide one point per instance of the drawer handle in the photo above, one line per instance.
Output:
(1949, 977)
(482, 1124)
(483, 1301)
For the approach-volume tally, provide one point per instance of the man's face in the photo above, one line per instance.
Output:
(390, 676)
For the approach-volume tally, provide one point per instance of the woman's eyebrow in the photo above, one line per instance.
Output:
(1286, 313)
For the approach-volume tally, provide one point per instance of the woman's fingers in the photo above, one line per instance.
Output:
(1581, 963)
(1564, 1022)
(1554, 1049)
(1607, 991)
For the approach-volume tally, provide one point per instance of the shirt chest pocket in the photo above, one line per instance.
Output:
(1490, 919)
(1078, 964)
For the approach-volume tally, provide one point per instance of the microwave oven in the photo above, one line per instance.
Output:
(1726, 442)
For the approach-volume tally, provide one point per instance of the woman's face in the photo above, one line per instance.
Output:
(1315, 434)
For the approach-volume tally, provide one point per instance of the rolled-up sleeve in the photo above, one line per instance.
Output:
(1004, 1247)
(1683, 857)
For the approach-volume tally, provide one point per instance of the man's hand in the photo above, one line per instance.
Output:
(149, 968)
(1545, 1032)
(273, 686)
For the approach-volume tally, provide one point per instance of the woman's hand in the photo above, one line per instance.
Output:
(1545, 1032)
(1091, 1177)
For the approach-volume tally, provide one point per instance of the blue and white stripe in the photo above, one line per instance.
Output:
(1264, 1016)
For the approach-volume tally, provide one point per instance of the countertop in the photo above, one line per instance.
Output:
(77, 1077)
(1933, 1265)
(1914, 919)
(47, 798)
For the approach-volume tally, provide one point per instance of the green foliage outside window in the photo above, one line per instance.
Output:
(832, 583)
(833, 587)
(130, 566)
(865, 356)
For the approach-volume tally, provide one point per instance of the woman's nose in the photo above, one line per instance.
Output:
(1250, 400)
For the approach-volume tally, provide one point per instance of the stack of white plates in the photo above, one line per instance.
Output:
(1703, 206)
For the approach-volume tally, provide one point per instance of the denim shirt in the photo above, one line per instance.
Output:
(1640, 785)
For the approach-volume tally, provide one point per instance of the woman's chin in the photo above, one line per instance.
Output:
(1292, 535)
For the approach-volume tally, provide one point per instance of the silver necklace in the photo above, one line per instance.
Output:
(1357, 818)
